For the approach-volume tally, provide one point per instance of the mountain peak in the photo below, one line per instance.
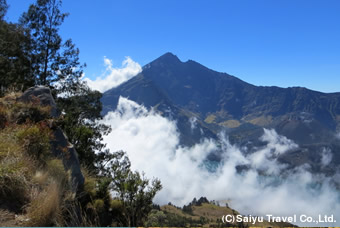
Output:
(169, 55)
(168, 58)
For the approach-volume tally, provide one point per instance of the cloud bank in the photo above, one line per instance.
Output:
(112, 76)
(152, 144)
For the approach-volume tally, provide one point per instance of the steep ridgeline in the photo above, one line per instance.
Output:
(221, 101)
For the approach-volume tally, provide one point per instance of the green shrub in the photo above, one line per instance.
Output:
(116, 204)
(156, 218)
(35, 140)
(90, 186)
(99, 205)
(57, 171)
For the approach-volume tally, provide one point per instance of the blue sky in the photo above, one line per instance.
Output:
(264, 42)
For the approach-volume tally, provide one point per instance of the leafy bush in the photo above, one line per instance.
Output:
(35, 140)
(156, 218)
(99, 205)
(90, 185)
(133, 189)
(56, 170)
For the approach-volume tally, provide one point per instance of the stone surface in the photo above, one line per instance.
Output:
(60, 146)
(64, 150)
(42, 95)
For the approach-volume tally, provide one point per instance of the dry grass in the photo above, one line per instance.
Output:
(10, 98)
(212, 211)
(17, 165)
(29, 179)
(44, 209)
(52, 198)
(179, 212)
(12, 111)
(40, 177)
(231, 123)
(15, 168)
(7, 218)
(35, 189)
(210, 119)
(13, 184)
(262, 121)
(55, 204)
(78, 218)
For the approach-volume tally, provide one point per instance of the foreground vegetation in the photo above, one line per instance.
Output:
(36, 188)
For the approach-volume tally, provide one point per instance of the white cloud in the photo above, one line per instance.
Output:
(113, 77)
(152, 144)
(326, 157)
(193, 123)
(265, 159)
(337, 135)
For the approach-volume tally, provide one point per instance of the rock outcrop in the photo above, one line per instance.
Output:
(42, 95)
(60, 146)
(63, 149)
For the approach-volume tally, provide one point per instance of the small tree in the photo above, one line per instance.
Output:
(43, 19)
(187, 209)
(56, 64)
(81, 112)
(156, 218)
(132, 189)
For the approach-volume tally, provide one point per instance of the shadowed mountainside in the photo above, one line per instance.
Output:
(184, 90)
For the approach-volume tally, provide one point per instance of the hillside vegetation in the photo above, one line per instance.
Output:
(35, 189)
(54, 168)
(39, 188)
(200, 213)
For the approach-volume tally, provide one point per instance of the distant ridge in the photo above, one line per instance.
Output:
(222, 101)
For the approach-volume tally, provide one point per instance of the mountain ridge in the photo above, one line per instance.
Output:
(190, 83)
(221, 101)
